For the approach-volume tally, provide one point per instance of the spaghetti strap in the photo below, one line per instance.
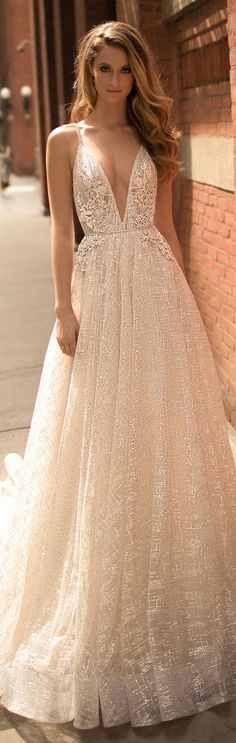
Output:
(78, 132)
(79, 143)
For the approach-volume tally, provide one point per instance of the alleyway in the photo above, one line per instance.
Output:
(27, 316)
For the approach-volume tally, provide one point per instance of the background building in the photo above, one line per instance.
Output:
(16, 71)
(194, 42)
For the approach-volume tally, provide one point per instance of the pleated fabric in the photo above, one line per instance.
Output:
(118, 564)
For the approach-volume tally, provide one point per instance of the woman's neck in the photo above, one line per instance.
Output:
(108, 117)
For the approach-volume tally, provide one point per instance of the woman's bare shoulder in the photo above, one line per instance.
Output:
(62, 142)
(62, 133)
(60, 145)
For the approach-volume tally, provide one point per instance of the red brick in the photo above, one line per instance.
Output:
(227, 203)
(229, 246)
(219, 271)
(228, 365)
(230, 218)
(212, 190)
(198, 207)
(212, 252)
(233, 56)
(232, 387)
(193, 219)
(217, 228)
(224, 129)
(230, 275)
(216, 240)
(233, 92)
(223, 257)
(225, 350)
(233, 77)
(200, 247)
(209, 325)
(226, 299)
(204, 197)
(228, 327)
(216, 214)
(229, 341)
(226, 286)
(232, 262)
(212, 199)
(230, 6)
(196, 229)
(214, 303)
(229, 313)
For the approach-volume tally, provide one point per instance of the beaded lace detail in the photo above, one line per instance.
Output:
(97, 209)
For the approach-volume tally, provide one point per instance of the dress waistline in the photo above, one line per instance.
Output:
(119, 232)
(89, 242)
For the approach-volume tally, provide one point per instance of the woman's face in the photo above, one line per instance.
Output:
(113, 75)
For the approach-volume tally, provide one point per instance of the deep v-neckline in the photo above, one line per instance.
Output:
(100, 167)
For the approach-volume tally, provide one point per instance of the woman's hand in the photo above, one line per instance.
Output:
(67, 330)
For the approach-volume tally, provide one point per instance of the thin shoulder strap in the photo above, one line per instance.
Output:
(79, 142)
(78, 131)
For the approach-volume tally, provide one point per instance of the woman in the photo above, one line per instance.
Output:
(120, 586)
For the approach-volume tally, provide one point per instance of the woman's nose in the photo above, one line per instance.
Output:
(115, 78)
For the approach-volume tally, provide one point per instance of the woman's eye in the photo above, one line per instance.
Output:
(105, 68)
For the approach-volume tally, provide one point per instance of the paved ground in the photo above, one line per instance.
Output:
(26, 308)
(217, 725)
(26, 319)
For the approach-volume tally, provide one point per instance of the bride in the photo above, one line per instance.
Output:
(118, 567)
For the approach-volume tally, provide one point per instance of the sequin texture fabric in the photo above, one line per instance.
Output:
(118, 573)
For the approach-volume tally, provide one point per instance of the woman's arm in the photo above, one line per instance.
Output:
(163, 219)
(59, 178)
(61, 209)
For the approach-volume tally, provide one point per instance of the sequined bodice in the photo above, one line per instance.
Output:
(94, 199)
(96, 205)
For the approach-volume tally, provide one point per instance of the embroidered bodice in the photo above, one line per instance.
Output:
(96, 205)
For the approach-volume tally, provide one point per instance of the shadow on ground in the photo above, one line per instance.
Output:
(217, 725)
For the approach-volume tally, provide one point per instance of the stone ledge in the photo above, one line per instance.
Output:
(209, 160)
(174, 8)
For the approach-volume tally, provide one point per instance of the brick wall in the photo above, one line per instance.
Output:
(206, 223)
(196, 56)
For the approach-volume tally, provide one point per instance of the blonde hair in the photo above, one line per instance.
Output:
(148, 107)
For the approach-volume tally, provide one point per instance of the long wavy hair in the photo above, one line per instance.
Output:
(148, 106)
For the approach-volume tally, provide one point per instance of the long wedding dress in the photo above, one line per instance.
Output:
(118, 568)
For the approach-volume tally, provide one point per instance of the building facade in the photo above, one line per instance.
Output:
(18, 125)
(194, 43)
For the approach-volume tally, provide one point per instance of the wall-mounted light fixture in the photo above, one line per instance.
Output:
(6, 104)
(23, 44)
(26, 93)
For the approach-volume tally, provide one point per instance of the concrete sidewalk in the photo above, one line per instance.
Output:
(27, 317)
(26, 308)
